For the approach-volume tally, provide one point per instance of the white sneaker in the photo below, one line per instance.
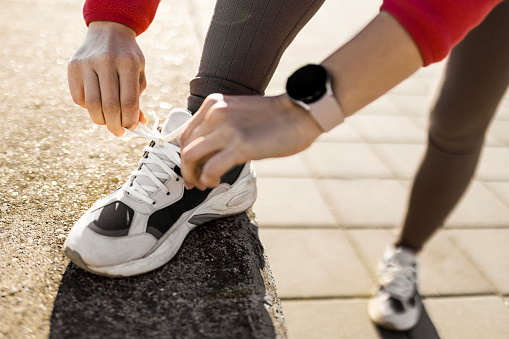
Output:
(397, 304)
(141, 226)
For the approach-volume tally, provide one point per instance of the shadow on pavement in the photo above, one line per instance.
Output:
(212, 288)
(423, 330)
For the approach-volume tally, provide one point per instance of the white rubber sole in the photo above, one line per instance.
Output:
(219, 204)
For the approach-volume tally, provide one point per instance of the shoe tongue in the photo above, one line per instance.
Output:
(176, 118)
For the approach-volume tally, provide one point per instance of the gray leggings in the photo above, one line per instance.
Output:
(245, 42)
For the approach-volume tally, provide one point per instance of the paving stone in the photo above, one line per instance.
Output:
(493, 164)
(490, 252)
(314, 264)
(415, 86)
(402, 159)
(345, 318)
(288, 167)
(344, 161)
(291, 203)
(500, 189)
(328, 319)
(388, 129)
(365, 203)
(479, 207)
(469, 317)
(411, 105)
(498, 130)
(443, 270)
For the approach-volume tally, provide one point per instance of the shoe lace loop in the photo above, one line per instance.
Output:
(155, 167)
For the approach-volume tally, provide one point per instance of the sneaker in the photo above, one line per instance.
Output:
(397, 304)
(141, 226)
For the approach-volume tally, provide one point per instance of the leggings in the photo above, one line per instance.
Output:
(247, 38)
(244, 43)
(475, 80)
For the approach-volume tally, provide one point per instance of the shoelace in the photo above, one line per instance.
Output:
(398, 281)
(155, 152)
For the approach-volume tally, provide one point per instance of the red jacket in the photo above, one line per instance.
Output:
(435, 25)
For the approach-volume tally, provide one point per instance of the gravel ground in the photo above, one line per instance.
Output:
(54, 163)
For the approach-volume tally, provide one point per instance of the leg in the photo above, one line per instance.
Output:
(244, 44)
(476, 78)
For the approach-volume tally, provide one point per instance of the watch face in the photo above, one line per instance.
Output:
(307, 84)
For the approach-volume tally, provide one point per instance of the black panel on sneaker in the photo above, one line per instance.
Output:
(163, 219)
(112, 220)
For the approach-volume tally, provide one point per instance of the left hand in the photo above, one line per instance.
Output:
(230, 130)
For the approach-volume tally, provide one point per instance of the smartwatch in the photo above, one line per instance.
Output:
(310, 88)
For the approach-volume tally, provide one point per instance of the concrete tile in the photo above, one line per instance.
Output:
(494, 164)
(500, 189)
(414, 86)
(314, 263)
(320, 319)
(469, 318)
(500, 131)
(345, 161)
(365, 203)
(479, 207)
(490, 252)
(291, 203)
(402, 159)
(287, 167)
(443, 270)
(388, 129)
(411, 105)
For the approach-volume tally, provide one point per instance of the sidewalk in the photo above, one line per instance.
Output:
(327, 214)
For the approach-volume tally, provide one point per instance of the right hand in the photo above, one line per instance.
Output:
(107, 76)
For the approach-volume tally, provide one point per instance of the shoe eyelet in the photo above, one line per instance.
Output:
(167, 193)
(178, 179)
(154, 203)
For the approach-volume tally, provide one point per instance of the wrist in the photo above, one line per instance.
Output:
(310, 88)
(112, 27)
(308, 127)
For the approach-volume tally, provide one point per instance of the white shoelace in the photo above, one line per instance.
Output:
(398, 281)
(161, 156)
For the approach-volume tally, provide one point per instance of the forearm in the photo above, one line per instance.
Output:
(382, 55)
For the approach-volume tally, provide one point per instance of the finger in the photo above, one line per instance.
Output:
(199, 116)
(218, 164)
(75, 81)
(198, 153)
(129, 98)
(110, 100)
(93, 97)
(143, 118)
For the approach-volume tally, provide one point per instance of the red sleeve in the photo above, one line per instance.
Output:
(137, 14)
(438, 25)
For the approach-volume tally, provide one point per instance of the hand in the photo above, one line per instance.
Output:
(107, 76)
(231, 130)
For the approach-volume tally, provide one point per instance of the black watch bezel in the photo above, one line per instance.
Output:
(308, 84)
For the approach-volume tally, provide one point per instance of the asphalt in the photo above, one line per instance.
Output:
(324, 215)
